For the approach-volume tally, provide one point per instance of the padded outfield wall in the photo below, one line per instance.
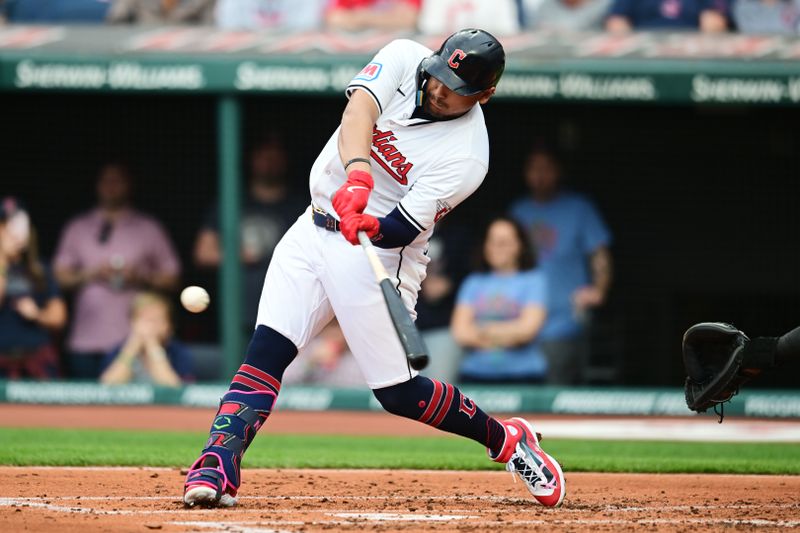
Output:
(687, 143)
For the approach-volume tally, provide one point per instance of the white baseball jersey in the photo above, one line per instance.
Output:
(426, 168)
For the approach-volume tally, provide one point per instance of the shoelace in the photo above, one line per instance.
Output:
(524, 466)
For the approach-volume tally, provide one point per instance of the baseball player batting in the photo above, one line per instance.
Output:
(411, 146)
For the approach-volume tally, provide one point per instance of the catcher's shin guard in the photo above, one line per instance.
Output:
(214, 478)
(524, 457)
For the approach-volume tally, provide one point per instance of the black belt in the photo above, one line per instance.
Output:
(323, 219)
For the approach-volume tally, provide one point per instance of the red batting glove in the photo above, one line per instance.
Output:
(352, 197)
(352, 223)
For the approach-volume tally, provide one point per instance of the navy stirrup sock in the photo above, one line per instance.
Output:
(443, 406)
(268, 355)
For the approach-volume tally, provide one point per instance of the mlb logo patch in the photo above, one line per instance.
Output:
(370, 72)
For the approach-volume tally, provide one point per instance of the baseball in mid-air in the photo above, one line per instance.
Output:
(195, 299)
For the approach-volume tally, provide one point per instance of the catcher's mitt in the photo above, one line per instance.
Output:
(718, 359)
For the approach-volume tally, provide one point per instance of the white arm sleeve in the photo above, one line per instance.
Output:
(385, 73)
(439, 191)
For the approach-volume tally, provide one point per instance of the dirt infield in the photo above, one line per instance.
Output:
(116, 499)
(64, 500)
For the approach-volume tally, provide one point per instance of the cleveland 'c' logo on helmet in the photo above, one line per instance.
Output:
(457, 54)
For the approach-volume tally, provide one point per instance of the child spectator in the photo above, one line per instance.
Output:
(31, 308)
(500, 310)
(708, 16)
(150, 353)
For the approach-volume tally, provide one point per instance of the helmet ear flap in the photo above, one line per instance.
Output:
(422, 78)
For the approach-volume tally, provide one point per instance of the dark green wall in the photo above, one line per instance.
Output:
(702, 201)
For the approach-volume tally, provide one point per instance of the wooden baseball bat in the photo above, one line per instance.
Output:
(416, 352)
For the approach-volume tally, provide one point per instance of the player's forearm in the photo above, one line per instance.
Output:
(355, 139)
(355, 136)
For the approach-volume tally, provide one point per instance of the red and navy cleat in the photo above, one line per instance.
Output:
(215, 477)
(524, 457)
(207, 484)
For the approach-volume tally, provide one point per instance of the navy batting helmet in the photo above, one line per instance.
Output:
(468, 62)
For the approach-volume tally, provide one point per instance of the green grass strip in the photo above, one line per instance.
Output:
(63, 447)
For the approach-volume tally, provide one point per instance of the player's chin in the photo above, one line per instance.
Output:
(435, 111)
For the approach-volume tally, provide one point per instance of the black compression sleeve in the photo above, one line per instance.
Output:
(395, 231)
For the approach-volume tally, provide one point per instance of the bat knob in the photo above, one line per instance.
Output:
(418, 362)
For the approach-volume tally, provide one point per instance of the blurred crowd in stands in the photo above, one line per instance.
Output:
(514, 306)
(501, 17)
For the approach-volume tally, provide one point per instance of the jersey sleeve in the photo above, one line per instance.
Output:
(440, 190)
(384, 75)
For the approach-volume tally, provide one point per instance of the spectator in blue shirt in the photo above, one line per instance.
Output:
(709, 16)
(150, 354)
(500, 311)
(571, 242)
(31, 307)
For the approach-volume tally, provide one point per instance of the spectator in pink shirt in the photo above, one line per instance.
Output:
(106, 256)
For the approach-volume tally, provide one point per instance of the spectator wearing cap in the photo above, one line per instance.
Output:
(356, 15)
(31, 307)
(708, 16)
(106, 256)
